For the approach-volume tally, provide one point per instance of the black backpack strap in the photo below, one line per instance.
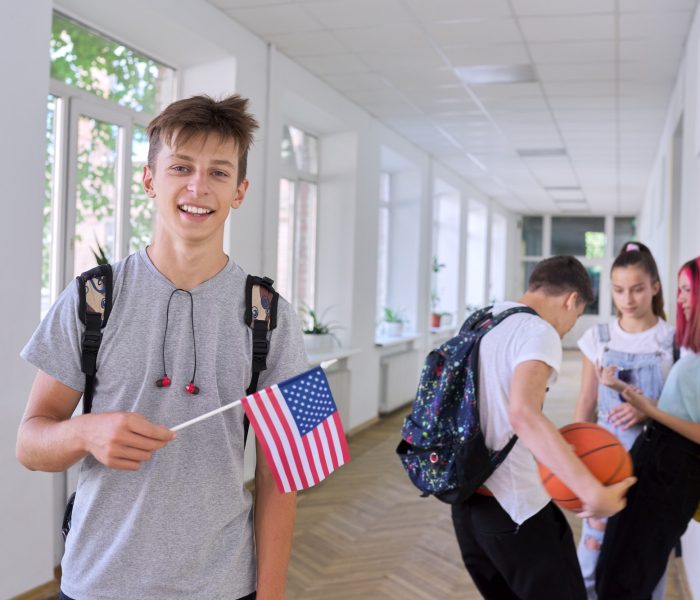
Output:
(94, 308)
(676, 353)
(261, 316)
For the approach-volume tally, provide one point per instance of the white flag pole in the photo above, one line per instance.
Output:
(216, 411)
(211, 413)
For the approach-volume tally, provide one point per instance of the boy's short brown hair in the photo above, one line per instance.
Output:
(561, 275)
(201, 115)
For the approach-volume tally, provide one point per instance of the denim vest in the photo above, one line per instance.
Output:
(644, 372)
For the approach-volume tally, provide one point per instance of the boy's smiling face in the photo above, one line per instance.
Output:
(194, 185)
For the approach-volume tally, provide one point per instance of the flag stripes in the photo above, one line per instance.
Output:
(296, 461)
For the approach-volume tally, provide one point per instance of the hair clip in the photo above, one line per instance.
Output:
(632, 247)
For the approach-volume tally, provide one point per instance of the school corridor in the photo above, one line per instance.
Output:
(415, 160)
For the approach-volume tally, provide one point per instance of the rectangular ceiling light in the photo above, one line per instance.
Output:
(494, 74)
(540, 152)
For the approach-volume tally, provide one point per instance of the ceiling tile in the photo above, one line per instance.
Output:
(337, 64)
(307, 44)
(572, 52)
(383, 38)
(487, 54)
(357, 82)
(341, 14)
(562, 7)
(557, 29)
(477, 31)
(451, 10)
(652, 49)
(283, 18)
(599, 71)
(656, 5)
(403, 61)
(229, 4)
(655, 25)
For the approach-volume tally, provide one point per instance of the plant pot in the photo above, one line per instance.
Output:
(318, 343)
(393, 329)
(435, 320)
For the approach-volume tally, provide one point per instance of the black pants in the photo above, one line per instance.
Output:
(535, 561)
(639, 540)
(62, 596)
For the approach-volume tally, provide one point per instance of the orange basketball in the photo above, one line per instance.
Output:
(599, 450)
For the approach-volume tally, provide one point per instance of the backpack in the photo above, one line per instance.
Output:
(442, 447)
(95, 305)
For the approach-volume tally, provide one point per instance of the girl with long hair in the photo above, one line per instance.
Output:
(666, 460)
(640, 342)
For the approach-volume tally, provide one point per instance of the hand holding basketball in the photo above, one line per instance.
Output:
(605, 458)
(610, 500)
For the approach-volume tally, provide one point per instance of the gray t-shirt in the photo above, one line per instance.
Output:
(181, 526)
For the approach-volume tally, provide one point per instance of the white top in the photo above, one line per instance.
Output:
(522, 337)
(658, 338)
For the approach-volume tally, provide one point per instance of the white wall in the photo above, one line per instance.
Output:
(657, 219)
(26, 530)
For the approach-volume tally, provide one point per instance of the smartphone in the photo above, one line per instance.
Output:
(626, 376)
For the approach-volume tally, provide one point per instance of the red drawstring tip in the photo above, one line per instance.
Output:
(191, 388)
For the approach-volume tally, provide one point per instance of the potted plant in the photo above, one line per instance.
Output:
(318, 334)
(393, 322)
(435, 315)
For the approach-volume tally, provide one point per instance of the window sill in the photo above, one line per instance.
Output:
(386, 341)
(335, 354)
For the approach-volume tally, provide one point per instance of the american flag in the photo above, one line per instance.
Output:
(299, 429)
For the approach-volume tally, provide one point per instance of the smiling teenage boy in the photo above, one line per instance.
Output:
(157, 516)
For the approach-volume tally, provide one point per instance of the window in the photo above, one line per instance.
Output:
(583, 237)
(579, 236)
(47, 253)
(383, 244)
(531, 240)
(446, 228)
(398, 249)
(476, 256)
(103, 94)
(499, 246)
(298, 200)
(625, 229)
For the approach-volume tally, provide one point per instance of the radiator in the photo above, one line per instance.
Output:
(400, 373)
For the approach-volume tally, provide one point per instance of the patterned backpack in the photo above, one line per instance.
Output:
(442, 446)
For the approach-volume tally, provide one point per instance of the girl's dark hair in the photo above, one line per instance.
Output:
(688, 330)
(636, 254)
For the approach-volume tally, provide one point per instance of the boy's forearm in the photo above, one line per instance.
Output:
(46, 444)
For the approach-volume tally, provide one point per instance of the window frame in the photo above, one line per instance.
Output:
(299, 176)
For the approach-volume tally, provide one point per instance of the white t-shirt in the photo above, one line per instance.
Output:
(658, 338)
(521, 337)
